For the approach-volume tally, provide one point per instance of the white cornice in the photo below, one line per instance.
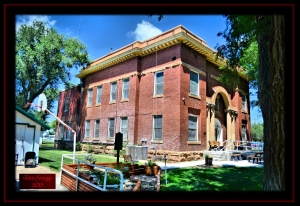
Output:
(167, 39)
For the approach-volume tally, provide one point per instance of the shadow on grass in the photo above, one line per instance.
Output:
(213, 179)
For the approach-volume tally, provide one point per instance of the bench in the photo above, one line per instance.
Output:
(213, 144)
(236, 157)
(257, 156)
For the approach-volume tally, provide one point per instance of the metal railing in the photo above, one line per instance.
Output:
(246, 145)
(79, 163)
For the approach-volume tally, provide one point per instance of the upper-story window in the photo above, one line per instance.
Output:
(158, 83)
(194, 83)
(97, 128)
(66, 105)
(113, 91)
(99, 95)
(244, 102)
(125, 89)
(90, 97)
(157, 127)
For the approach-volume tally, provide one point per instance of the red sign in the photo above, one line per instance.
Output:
(37, 181)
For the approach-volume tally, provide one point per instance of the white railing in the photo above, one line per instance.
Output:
(106, 171)
(246, 145)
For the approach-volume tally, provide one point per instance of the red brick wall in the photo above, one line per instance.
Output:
(142, 106)
(72, 115)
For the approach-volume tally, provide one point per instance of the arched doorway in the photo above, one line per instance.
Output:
(218, 131)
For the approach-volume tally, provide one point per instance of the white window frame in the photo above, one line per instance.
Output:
(111, 127)
(97, 124)
(192, 128)
(89, 97)
(244, 102)
(113, 90)
(68, 136)
(99, 95)
(87, 131)
(66, 108)
(155, 126)
(126, 82)
(124, 127)
(156, 84)
(195, 93)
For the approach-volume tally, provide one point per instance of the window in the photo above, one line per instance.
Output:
(96, 128)
(87, 128)
(61, 131)
(69, 131)
(194, 83)
(113, 91)
(90, 96)
(157, 127)
(66, 105)
(217, 103)
(111, 127)
(193, 128)
(125, 89)
(123, 129)
(244, 134)
(99, 95)
(244, 103)
(158, 83)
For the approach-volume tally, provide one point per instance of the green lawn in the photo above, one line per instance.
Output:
(213, 179)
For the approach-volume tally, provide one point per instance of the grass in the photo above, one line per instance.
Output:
(213, 179)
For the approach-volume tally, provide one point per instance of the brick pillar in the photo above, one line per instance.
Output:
(207, 125)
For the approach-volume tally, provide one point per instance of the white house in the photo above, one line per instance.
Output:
(28, 133)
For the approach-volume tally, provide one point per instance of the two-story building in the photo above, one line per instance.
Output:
(162, 92)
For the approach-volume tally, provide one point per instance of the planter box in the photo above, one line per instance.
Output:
(70, 182)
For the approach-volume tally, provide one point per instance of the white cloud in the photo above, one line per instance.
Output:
(144, 30)
(27, 19)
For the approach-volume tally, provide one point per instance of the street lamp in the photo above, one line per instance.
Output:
(165, 158)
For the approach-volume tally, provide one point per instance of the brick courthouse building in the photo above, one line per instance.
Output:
(162, 92)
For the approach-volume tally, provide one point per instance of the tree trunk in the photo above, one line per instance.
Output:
(271, 99)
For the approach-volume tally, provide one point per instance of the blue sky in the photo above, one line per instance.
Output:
(101, 33)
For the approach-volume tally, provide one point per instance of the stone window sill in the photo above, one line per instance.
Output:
(195, 97)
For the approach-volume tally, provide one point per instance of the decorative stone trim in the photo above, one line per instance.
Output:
(156, 141)
(194, 142)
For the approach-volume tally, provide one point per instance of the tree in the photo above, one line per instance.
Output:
(44, 59)
(257, 130)
(269, 32)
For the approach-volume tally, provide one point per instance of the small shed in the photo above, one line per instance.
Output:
(28, 132)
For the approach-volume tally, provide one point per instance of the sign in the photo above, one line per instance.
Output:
(37, 181)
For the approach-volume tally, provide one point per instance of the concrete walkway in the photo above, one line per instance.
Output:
(44, 170)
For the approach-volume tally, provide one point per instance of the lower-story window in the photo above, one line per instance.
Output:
(111, 127)
(157, 127)
(193, 128)
(87, 128)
